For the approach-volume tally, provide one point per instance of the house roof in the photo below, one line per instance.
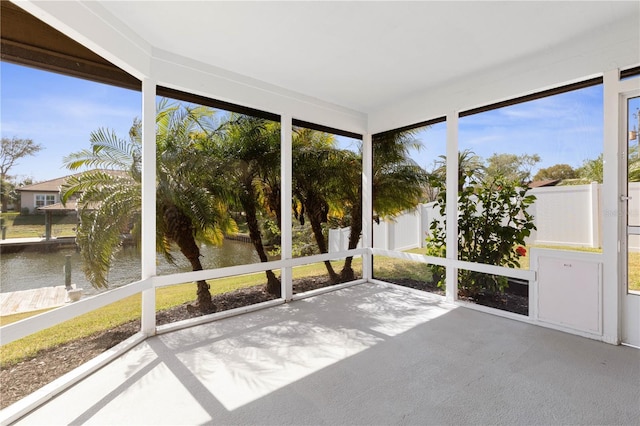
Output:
(71, 205)
(53, 185)
(541, 183)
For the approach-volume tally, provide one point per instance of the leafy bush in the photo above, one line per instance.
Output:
(493, 223)
(270, 233)
(302, 241)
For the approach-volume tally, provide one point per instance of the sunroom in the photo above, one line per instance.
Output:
(360, 92)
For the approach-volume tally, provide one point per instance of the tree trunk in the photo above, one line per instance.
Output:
(275, 204)
(4, 199)
(347, 273)
(248, 201)
(314, 212)
(180, 231)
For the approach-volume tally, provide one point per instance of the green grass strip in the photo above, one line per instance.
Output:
(126, 310)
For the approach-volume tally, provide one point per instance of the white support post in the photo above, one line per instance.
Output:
(367, 204)
(452, 205)
(286, 178)
(594, 218)
(613, 230)
(425, 220)
(418, 230)
(148, 246)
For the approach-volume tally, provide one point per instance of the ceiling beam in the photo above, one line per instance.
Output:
(26, 40)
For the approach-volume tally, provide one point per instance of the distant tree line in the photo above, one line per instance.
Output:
(518, 168)
(11, 151)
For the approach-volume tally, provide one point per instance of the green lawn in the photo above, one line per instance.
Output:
(634, 271)
(84, 325)
(166, 297)
(129, 309)
(389, 268)
(32, 225)
(634, 261)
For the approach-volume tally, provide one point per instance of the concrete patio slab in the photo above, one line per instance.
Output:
(368, 354)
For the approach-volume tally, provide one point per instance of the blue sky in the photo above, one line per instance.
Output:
(60, 112)
(565, 128)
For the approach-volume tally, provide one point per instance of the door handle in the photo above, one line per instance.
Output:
(624, 198)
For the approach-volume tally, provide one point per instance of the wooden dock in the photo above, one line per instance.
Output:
(32, 300)
(13, 245)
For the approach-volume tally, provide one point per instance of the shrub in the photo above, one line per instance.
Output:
(303, 242)
(493, 223)
(270, 233)
(24, 211)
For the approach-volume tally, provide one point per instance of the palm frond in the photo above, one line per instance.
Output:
(99, 238)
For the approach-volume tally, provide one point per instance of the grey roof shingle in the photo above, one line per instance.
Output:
(53, 185)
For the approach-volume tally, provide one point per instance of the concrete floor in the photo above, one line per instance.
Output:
(362, 355)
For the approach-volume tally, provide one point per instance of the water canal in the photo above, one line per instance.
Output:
(29, 270)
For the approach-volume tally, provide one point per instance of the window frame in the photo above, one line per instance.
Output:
(45, 199)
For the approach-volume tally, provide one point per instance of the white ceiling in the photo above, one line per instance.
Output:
(363, 55)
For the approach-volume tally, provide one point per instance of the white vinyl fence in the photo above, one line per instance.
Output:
(563, 215)
(567, 215)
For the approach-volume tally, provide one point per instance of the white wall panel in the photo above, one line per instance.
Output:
(569, 290)
(191, 76)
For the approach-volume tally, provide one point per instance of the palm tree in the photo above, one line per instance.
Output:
(398, 184)
(317, 171)
(247, 152)
(108, 203)
(398, 181)
(327, 182)
(347, 188)
(469, 165)
(186, 212)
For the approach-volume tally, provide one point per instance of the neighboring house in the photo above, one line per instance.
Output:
(42, 194)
